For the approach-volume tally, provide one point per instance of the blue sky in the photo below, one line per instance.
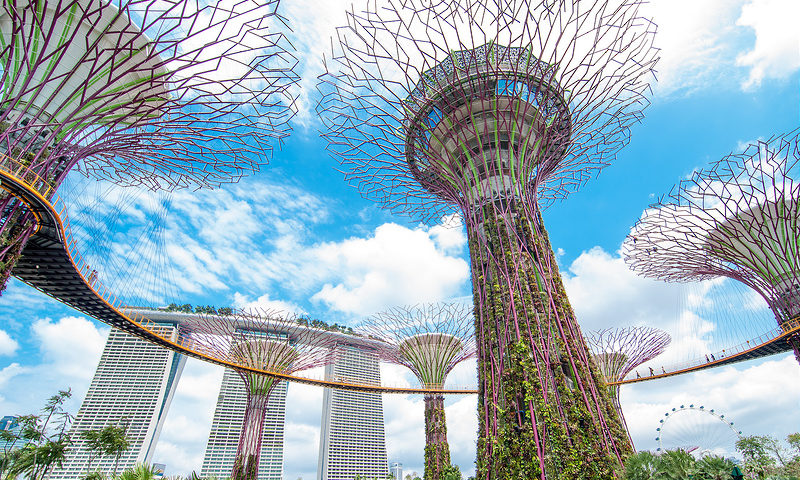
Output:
(297, 237)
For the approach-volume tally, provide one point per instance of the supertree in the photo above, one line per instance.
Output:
(740, 219)
(165, 95)
(493, 110)
(617, 351)
(430, 340)
(261, 340)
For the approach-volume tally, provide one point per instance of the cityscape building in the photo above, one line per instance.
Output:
(396, 471)
(9, 424)
(132, 387)
(352, 441)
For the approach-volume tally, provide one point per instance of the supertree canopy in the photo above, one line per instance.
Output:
(739, 219)
(178, 93)
(493, 110)
(430, 340)
(617, 351)
(261, 340)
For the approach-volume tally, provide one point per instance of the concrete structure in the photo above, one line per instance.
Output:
(396, 471)
(352, 439)
(133, 386)
(227, 426)
(9, 422)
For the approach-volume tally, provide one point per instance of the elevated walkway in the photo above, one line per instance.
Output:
(51, 264)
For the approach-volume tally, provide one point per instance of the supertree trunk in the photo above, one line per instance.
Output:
(437, 451)
(543, 411)
(245, 466)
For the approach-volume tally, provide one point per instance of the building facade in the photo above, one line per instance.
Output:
(132, 388)
(352, 439)
(396, 471)
(9, 424)
(227, 425)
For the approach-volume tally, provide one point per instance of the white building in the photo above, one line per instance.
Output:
(352, 439)
(132, 387)
(396, 471)
(227, 425)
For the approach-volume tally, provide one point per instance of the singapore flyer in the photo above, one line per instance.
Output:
(698, 430)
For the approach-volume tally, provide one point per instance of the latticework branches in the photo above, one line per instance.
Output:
(429, 339)
(166, 95)
(564, 80)
(494, 110)
(617, 351)
(740, 219)
(179, 93)
(261, 340)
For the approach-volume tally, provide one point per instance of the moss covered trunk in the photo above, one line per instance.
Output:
(437, 452)
(544, 413)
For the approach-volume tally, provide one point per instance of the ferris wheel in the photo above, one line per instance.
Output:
(697, 430)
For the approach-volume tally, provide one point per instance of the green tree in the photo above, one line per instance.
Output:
(714, 468)
(675, 465)
(640, 466)
(110, 440)
(45, 440)
(138, 472)
(758, 463)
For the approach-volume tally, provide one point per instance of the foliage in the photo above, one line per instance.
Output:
(675, 465)
(110, 440)
(765, 458)
(44, 438)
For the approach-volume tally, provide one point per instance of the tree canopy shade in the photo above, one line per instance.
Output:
(493, 110)
(739, 218)
(189, 94)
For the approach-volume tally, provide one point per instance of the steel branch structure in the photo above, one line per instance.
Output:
(430, 340)
(493, 110)
(617, 351)
(262, 340)
(166, 95)
(739, 219)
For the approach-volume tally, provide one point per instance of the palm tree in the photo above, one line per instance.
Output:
(714, 468)
(675, 465)
(138, 472)
(640, 466)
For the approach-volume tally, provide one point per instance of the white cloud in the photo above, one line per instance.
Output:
(714, 43)
(71, 345)
(776, 53)
(11, 371)
(187, 426)
(8, 346)
(265, 303)
(756, 396)
(395, 266)
(695, 39)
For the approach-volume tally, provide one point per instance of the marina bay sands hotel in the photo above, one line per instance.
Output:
(136, 380)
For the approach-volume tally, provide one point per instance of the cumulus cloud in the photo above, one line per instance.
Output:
(395, 266)
(8, 346)
(776, 52)
(758, 397)
(11, 371)
(187, 426)
(264, 302)
(71, 346)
